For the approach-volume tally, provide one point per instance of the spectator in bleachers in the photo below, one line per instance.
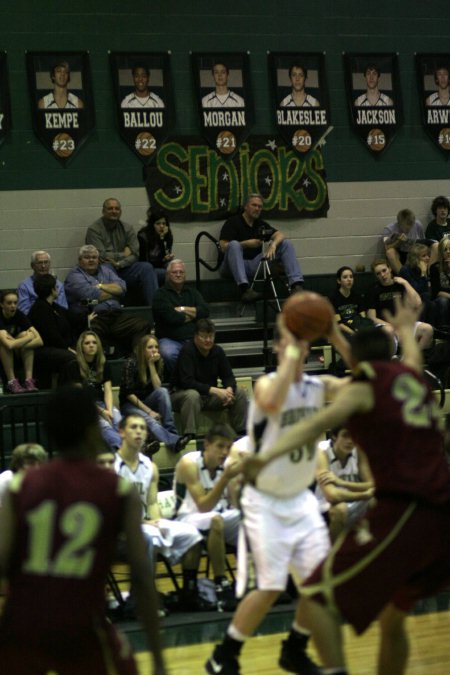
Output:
(200, 365)
(416, 271)
(40, 264)
(92, 370)
(176, 308)
(440, 283)
(348, 305)
(241, 241)
(382, 297)
(398, 238)
(155, 243)
(440, 225)
(24, 457)
(18, 342)
(91, 286)
(204, 499)
(141, 394)
(118, 246)
(52, 322)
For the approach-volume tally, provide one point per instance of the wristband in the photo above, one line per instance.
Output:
(292, 352)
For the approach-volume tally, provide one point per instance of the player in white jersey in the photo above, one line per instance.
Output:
(205, 497)
(282, 525)
(173, 539)
(60, 98)
(222, 97)
(141, 97)
(344, 481)
(373, 96)
(298, 98)
(441, 97)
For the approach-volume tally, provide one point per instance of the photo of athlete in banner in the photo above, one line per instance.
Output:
(433, 81)
(144, 98)
(5, 101)
(62, 104)
(374, 98)
(300, 93)
(225, 101)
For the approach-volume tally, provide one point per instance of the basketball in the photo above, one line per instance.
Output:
(308, 315)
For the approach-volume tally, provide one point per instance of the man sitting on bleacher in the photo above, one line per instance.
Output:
(40, 264)
(199, 367)
(92, 287)
(174, 540)
(205, 498)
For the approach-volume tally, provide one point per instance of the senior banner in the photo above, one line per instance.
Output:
(224, 97)
(190, 181)
(300, 93)
(433, 80)
(5, 105)
(374, 98)
(144, 100)
(62, 104)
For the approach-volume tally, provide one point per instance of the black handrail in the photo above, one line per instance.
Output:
(200, 261)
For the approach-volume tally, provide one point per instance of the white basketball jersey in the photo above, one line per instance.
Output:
(188, 505)
(141, 478)
(290, 474)
(348, 471)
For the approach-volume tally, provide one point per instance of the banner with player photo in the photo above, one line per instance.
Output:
(433, 81)
(62, 102)
(300, 93)
(5, 100)
(143, 91)
(190, 181)
(374, 98)
(225, 101)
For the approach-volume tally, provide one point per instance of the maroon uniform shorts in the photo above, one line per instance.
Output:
(398, 553)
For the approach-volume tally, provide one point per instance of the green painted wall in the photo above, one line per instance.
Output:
(181, 26)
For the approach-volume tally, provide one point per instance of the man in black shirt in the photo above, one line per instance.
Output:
(199, 366)
(241, 240)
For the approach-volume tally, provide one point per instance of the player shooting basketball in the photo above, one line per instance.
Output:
(280, 505)
(377, 569)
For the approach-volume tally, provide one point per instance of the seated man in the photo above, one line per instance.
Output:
(398, 238)
(344, 481)
(176, 308)
(241, 241)
(204, 498)
(92, 286)
(199, 367)
(40, 264)
(118, 246)
(440, 225)
(382, 298)
(18, 339)
(176, 541)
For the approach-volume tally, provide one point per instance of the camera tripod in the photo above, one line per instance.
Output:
(267, 278)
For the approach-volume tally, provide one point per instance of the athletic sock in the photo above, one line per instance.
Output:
(297, 640)
(232, 643)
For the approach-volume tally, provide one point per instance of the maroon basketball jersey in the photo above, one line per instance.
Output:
(401, 434)
(68, 516)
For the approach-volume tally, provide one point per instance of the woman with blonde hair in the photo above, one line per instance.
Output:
(141, 393)
(440, 283)
(92, 370)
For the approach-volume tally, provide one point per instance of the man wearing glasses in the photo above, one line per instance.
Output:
(40, 264)
(94, 290)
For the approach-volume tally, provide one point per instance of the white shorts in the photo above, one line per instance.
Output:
(231, 519)
(280, 533)
(172, 538)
